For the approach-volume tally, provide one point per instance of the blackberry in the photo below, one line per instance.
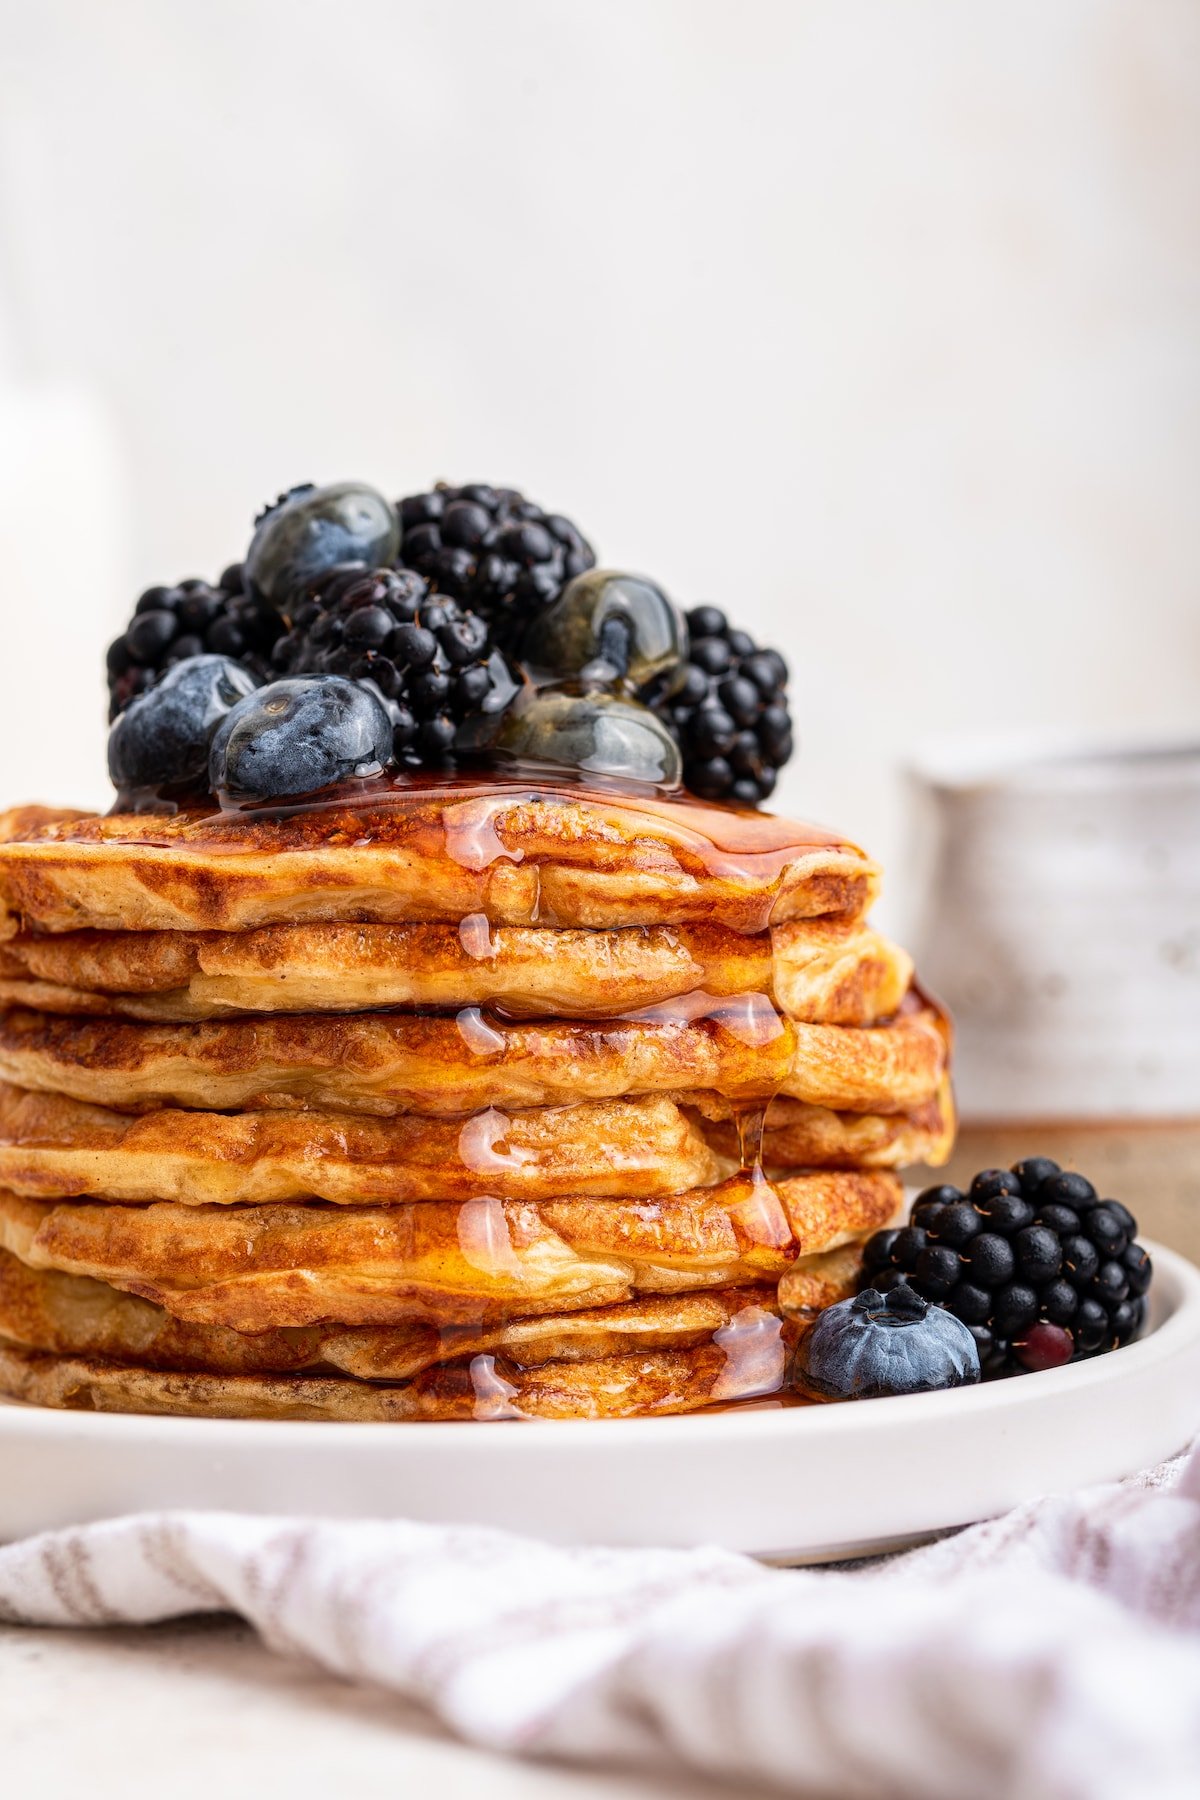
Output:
(435, 663)
(729, 712)
(491, 550)
(1038, 1267)
(193, 618)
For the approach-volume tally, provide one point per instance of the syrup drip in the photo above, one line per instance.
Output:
(755, 1355)
(475, 936)
(477, 1144)
(743, 847)
(494, 1395)
(480, 1038)
(484, 1237)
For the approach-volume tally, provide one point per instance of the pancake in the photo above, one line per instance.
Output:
(258, 1268)
(52, 1147)
(797, 1136)
(72, 1315)
(391, 1063)
(833, 971)
(642, 1385)
(400, 851)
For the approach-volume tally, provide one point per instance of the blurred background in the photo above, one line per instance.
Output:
(875, 323)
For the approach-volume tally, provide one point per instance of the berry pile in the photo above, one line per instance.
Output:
(1039, 1268)
(492, 550)
(730, 712)
(193, 618)
(475, 621)
(433, 661)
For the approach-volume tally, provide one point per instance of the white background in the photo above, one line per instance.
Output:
(875, 322)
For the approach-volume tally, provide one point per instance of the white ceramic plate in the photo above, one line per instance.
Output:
(789, 1484)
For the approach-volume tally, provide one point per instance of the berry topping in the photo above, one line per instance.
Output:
(435, 663)
(310, 529)
(162, 738)
(493, 550)
(874, 1345)
(729, 712)
(170, 624)
(1039, 1268)
(296, 736)
(608, 630)
(598, 733)
(1044, 1347)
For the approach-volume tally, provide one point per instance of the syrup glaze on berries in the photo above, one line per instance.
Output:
(481, 625)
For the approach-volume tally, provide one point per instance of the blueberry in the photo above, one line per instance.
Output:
(989, 1260)
(313, 529)
(957, 1224)
(1033, 1171)
(610, 630)
(870, 1346)
(596, 734)
(162, 738)
(300, 735)
(1039, 1254)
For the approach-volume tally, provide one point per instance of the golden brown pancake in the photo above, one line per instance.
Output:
(645, 1384)
(256, 1268)
(392, 1063)
(52, 1147)
(834, 971)
(793, 1135)
(521, 854)
(72, 1315)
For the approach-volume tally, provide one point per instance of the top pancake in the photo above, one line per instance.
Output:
(517, 853)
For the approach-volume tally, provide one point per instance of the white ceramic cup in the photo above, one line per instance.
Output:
(1061, 924)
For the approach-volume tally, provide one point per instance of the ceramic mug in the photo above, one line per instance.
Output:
(1061, 925)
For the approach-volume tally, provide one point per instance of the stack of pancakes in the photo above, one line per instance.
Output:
(442, 1102)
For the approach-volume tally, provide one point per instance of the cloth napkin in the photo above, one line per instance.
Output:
(1053, 1654)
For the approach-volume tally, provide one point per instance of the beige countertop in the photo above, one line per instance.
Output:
(199, 1709)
